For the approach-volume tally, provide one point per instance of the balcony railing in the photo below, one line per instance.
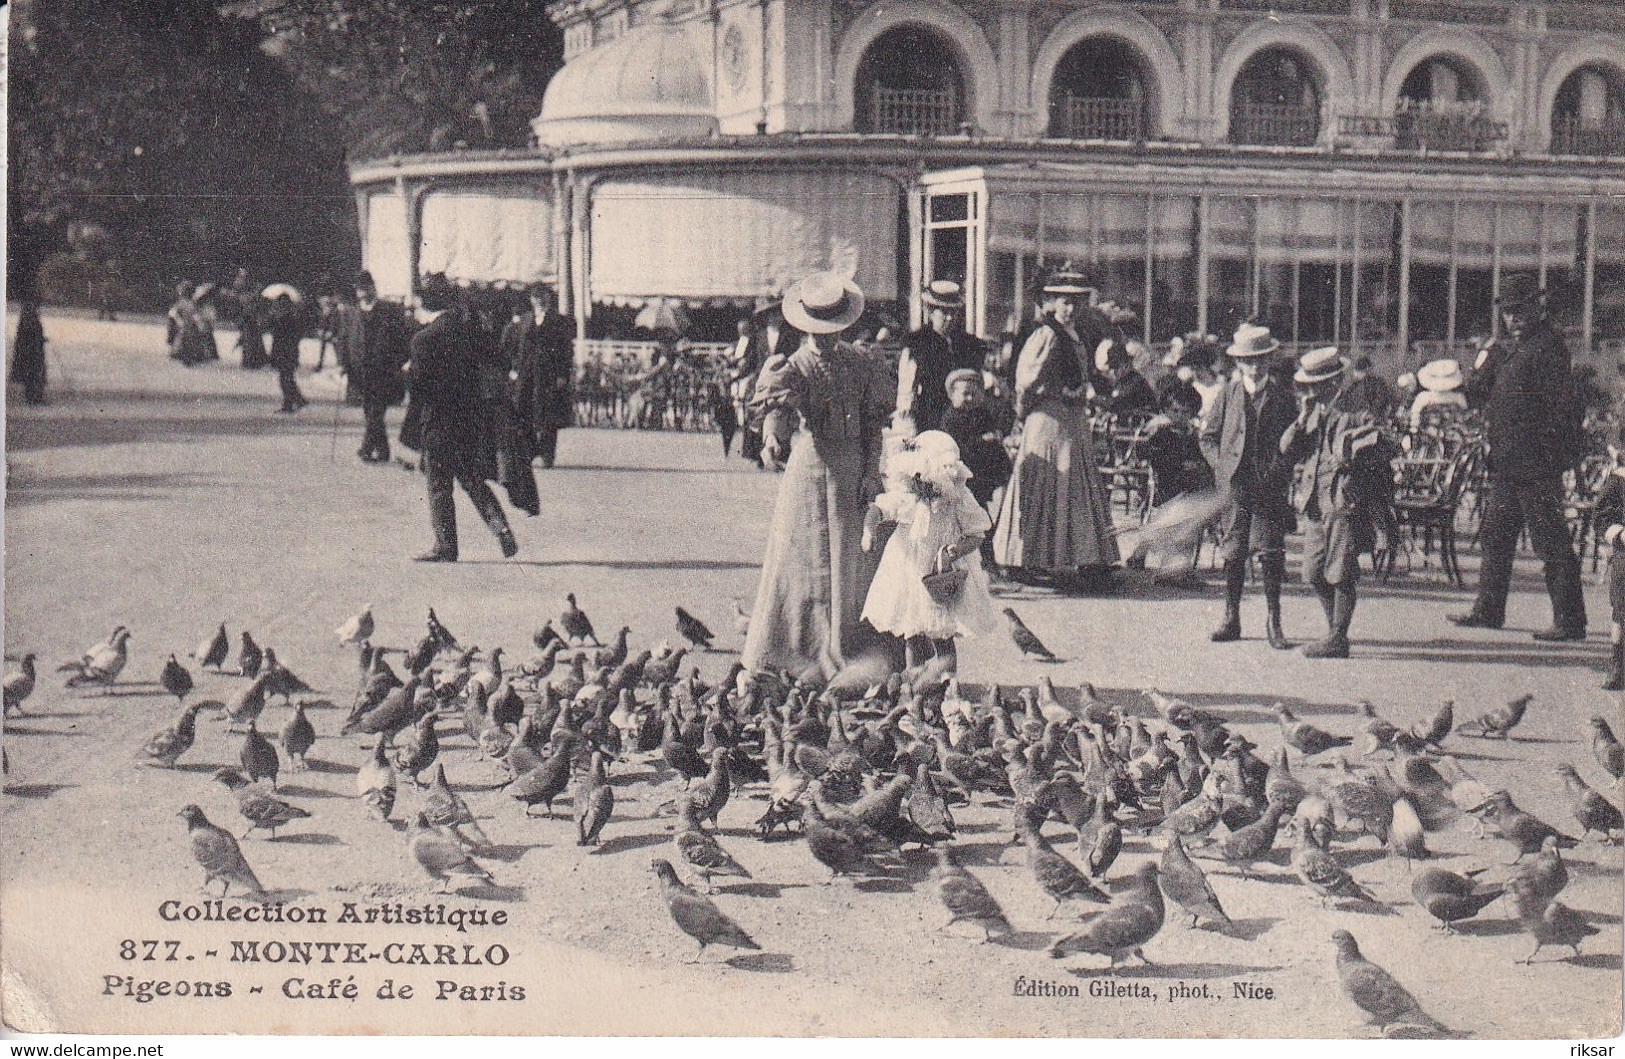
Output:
(914, 111)
(1571, 137)
(1091, 118)
(1422, 130)
(1277, 124)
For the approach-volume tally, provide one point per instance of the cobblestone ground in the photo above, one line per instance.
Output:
(171, 499)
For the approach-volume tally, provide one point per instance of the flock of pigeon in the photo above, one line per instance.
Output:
(869, 764)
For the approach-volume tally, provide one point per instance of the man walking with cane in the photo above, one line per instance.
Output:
(1523, 383)
(370, 342)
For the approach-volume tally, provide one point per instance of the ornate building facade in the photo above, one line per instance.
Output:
(1365, 172)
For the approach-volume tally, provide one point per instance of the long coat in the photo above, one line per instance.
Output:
(372, 346)
(1531, 413)
(445, 387)
(542, 359)
(1265, 479)
(935, 357)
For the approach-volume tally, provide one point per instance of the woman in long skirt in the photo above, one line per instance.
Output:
(1055, 519)
(815, 574)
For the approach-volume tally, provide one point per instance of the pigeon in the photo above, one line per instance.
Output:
(217, 853)
(546, 636)
(168, 745)
(1030, 646)
(394, 712)
(99, 648)
(440, 635)
(1548, 922)
(1185, 884)
(250, 656)
(1451, 898)
(695, 915)
(101, 664)
(1251, 842)
(175, 679)
(1546, 875)
(1592, 810)
(1281, 786)
(1377, 993)
(442, 858)
(1406, 836)
(247, 704)
(1123, 928)
(926, 809)
(1108, 843)
(357, 628)
(843, 845)
(1319, 871)
(298, 736)
(594, 802)
(444, 808)
(576, 625)
(1058, 877)
(612, 656)
(1499, 722)
(965, 898)
(741, 618)
(659, 671)
(258, 806)
(542, 784)
(19, 684)
(1609, 751)
(694, 630)
(1379, 731)
(259, 757)
(702, 852)
(284, 681)
(375, 782)
(1305, 737)
(1523, 830)
(686, 760)
(1434, 733)
(418, 748)
(211, 653)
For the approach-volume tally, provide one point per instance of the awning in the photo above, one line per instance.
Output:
(387, 249)
(711, 237)
(1476, 228)
(1083, 226)
(1610, 234)
(485, 235)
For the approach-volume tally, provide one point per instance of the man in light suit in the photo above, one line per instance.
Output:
(1241, 438)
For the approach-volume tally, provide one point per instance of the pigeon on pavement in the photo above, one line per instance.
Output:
(1058, 877)
(19, 684)
(217, 853)
(357, 628)
(445, 808)
(211, 653)
(1451, 898)
(259, 757)
(175, 679)
(1525, 831)
(1319, 870)
(101, 664)
(1434, 733)
(1548, 922)
(169, 744)
(695, 915)
(694, 630)
(1186, 885)
(298, 736)
(375, 782)
(258, 806)
(1029, 645)
(1499, 722)
(577, 627)
(594, 802)
(701, 852)
(1546, 875)
(249, 657)
(1591, 810)
(1379, 994)
(1609, 751)
(246, 704)
(965, 898)
(1131, 921)
(1305, 737)
(442, 858)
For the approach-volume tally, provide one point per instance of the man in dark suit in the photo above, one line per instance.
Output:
(937, 350)
(540, 351)
(1241, 438)
(1523, 384)
(443, 375)
(370, 341)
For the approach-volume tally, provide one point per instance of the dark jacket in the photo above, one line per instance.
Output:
(1243, 450)
(445, 388)
(1174, 453)
(543, 360)
(935, 357)
(1344, 466)
(1130, 395)
(372, 346)
(287, 327)
(1532, 416)
(975, 429)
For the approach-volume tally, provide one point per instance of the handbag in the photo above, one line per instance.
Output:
(944, 584)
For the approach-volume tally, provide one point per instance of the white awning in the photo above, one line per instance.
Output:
(1084, 227)
(715, 237)
(387, 251)
(489, 234)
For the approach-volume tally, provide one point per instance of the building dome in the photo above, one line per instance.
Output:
(645, 83)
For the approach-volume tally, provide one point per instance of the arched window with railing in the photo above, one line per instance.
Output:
(1444, 106)
(1588, 116)
(910, 81)
(1101, 91)
(1276, 100)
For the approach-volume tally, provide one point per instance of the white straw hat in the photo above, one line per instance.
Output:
(823, 304)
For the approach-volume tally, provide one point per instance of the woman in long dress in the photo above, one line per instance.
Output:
(815, 574)
(1055, 519)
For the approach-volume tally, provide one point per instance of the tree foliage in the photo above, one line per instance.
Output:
(404, 76)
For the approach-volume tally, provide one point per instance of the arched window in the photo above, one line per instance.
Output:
(1588, 116)
(909, 81)
(1100, 91)
(1443, 106)
(1275, 100)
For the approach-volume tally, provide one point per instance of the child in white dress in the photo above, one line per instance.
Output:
(939, 526)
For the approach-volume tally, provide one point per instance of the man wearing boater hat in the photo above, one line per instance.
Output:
(932, 352)
(1241, 438)
(1523, 384)
(1337, 448)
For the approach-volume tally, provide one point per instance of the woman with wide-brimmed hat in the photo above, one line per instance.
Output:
(815, 573)
(1440, 382)
(1055, 519)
